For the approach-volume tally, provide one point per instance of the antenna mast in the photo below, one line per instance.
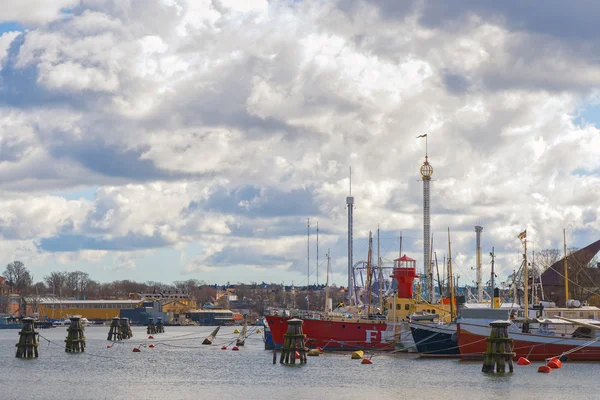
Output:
(308, 265)
(380, 278)
(566, 269)
(317, 253)
(478, 230)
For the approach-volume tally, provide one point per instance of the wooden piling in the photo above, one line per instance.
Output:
(293, 343)
(160, 327)
(209, 339)
(114, 334)
(126, 329)
(499, 349)
(241, 340)
(75, 342)
(28, 345)
(151, 327)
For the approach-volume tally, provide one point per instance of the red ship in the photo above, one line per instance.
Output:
(339, 332)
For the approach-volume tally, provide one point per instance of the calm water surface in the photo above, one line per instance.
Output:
(181, 368)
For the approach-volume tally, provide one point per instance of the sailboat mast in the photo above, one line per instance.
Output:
(438, 275)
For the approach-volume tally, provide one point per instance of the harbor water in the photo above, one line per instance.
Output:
(179, 367)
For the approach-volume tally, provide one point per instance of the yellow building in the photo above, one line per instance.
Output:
(90, 309)
(177, 303)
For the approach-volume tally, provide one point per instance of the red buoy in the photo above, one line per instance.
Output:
(320, 349)
(366, 361)
(553, 364)
(136, 350)
(150, 337)
(235, 348)
(224, 348)
(545, 369)
(152, 346)
(523, 361)
(557, 361)
(109, 347)
(297, 355)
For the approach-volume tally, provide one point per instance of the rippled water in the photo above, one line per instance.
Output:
(181, 368)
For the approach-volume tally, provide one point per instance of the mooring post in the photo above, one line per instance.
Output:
(114, 334)
(499, 349)
(151, 327)
(160, 327)
(126, 329)
(28, 345)
(75, 342)
(293, 343)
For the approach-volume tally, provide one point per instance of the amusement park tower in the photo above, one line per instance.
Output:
(426, 172)
(478, 230)
(350, 205)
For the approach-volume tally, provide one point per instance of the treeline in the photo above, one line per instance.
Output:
(78, 284)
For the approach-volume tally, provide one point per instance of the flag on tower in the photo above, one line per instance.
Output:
(523, 234)
(425, 135)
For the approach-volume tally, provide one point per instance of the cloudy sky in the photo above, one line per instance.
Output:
(174, 139)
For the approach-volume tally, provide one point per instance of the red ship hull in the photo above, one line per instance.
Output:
(472, 342)
(336, 335)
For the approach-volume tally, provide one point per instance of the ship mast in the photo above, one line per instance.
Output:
(450, 277)
(492, 279)
(566, 269)
(350, 206)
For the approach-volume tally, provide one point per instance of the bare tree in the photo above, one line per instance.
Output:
(56, 281)
(18, 276)
(545, 258)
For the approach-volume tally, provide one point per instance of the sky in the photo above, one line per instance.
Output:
(164, 140)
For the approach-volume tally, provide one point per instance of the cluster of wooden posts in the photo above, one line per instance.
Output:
(29, 338)
(293, 344)
(499, 349)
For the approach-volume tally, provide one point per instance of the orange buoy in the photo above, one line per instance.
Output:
(152, 346)
(297, 355)
(523, 361)
(545, 369)
(150, 337)
(224, 348)
(235, 348)
(136, 350)
(553, 364)
(366, 361)
(557, 361)
(109, 347)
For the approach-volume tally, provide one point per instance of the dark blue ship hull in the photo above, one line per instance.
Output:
(435, 340)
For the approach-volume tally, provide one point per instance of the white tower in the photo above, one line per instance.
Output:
(350, 206)
(426, 172)
(478, 230)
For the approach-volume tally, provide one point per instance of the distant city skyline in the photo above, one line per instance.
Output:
(169, 140)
